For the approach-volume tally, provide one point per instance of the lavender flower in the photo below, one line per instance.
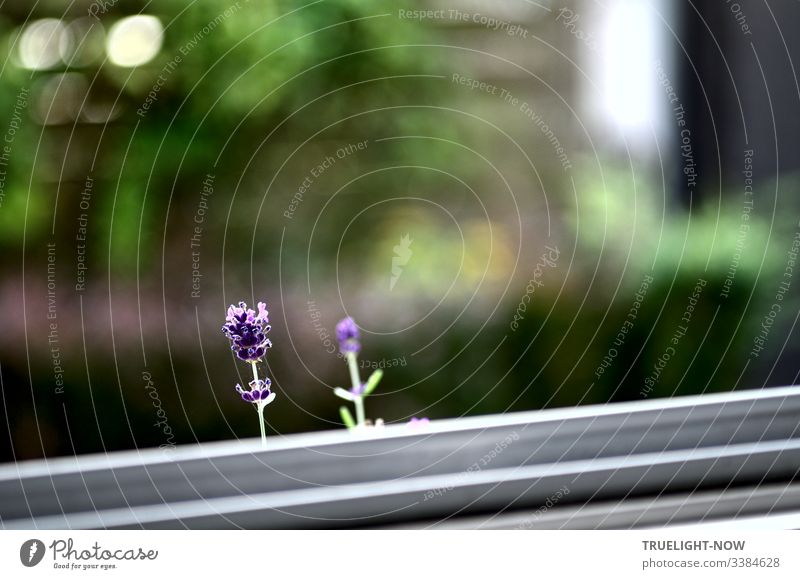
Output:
(247, 331)
(259, 392)
(348, 336)
(349, 345)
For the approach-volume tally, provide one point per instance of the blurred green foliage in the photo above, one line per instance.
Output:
(258, 99)
(238, 79)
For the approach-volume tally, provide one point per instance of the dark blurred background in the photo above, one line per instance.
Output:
(522, 204)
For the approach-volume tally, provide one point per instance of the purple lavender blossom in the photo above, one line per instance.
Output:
(259, 392)
(348, 336)
(247, 331)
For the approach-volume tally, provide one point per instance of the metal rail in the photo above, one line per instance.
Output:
(617, 454)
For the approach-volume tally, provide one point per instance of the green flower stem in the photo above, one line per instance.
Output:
(360, 420)
(260, 408)
(355, 380)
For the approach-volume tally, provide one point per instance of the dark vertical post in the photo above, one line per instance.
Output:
(739, 76)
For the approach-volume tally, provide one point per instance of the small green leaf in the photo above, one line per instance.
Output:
(342, 393)
(347, 418)
(373, 381)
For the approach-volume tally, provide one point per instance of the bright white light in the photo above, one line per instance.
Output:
(38, 45)
(134, 40)
(630, 46)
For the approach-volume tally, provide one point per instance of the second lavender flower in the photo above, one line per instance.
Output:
(350, 345)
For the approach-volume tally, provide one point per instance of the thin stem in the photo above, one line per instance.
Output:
(255, 372)
(261, 406)
(355, 380)
(359, 402)
(352, 364)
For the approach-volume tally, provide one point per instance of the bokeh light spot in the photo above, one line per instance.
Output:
(39, 44)
(135, 40)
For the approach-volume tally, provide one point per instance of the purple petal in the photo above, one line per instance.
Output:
(263, 314)
(346, 329)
